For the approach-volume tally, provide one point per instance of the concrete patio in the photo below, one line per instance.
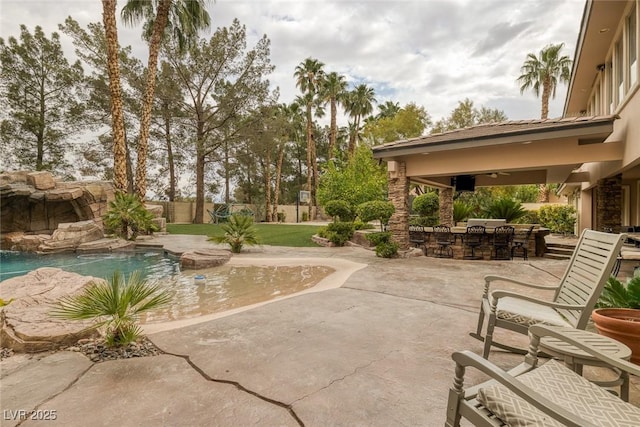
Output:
(373, 352)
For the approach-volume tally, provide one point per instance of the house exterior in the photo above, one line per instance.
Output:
(593, 151)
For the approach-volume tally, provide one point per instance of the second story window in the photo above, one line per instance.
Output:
(618, 69)
(632, 44)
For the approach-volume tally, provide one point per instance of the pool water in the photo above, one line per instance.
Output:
(227, 287)
(151, 264)
(223, 288)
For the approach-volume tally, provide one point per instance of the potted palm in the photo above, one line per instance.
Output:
(617, 314)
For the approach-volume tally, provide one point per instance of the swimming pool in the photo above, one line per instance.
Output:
(151, 264)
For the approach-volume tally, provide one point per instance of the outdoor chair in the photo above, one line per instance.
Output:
(502, 238)
(417, 236)
(444, 239)
(538, 394)
(220, 214)
(522, 244)
(473, 239)
(573, 300)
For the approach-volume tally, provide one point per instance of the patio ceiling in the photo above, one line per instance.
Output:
(508, 153)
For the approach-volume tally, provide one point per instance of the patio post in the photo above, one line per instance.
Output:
(609, 204)
(446, 206)
(399, 196)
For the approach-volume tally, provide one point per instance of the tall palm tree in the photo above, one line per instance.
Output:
(117, 115)
(184, 18)
(388, 109)
(545, 70)
(334, 87)
(308, 75)
(359, 103)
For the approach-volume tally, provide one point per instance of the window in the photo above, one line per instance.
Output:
(619, 71)
(610, 88)
(632, 43)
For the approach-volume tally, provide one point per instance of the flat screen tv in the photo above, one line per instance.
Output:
(464, 183)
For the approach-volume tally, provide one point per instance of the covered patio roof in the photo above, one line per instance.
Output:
(507, 153)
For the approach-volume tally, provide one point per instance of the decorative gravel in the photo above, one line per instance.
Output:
(5, 352)
(97, 351)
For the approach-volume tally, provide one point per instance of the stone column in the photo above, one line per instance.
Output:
(446, 206)
(609, 204)
(399, 196)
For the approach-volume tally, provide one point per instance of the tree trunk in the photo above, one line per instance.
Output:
(354, 136)
(333, 130)
(546, 89)
(314, 161)
(200, 163)
(172, 167)
(40, 136)
(267, 185)
(117, 117)
(309, 153)
(160, 23)
(276, 191)
(227, 175)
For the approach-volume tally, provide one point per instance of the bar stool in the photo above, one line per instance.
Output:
(444, 239)
(522, 244)
(472, 239)
(502, 238)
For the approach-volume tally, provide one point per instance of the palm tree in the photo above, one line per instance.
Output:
(115, 304)
(546, 70)
(184, 18)
(117, 115)
(308, 75)
(239, 231)
(334, 87)
(359, 103)
(388, 109)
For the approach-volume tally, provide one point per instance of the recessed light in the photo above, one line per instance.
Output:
(604, 30)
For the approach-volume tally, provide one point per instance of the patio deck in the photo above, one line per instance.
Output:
(374, 352)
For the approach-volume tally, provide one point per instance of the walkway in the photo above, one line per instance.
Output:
(374, 352)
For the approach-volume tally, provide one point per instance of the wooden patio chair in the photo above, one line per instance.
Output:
(536, 394)
(574, 298)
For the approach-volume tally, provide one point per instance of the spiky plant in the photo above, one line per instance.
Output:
(127, 216)
(114, 305)
(506, 208)
(617, 295)
(238, 231)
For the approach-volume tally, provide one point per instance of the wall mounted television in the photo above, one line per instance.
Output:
(464, 182)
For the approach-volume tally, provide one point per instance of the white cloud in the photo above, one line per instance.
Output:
(432, 52)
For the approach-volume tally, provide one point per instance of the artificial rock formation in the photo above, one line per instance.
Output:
(36, 208)
(204, 258)
(26, 323)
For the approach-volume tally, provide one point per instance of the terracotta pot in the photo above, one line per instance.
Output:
(621, 324)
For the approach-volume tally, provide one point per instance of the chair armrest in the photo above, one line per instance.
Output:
(540, 331)
(469, 359)
(492, 278)
(495, 295)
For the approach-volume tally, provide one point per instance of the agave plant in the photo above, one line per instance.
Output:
(239, 231)
(617, 295)
(115, 305)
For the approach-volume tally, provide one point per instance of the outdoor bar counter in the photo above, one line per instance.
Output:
(536, 244)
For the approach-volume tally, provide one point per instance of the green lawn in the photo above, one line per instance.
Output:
(297, 236)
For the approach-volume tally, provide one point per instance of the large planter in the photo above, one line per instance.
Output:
(621, 324)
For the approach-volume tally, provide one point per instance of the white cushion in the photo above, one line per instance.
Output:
(528, 313)
(564, 387)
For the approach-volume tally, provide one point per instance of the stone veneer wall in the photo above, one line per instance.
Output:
(399, 196)
(446, 206)
(609, 204)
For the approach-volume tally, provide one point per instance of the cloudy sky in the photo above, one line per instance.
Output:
(431, 52)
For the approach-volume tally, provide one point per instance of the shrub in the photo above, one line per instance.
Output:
(385, 248)
(461, 211)
(558, 218)
(509, 209)
(339, 232)
(531, 217)
(360, 225)
(425, 221)
(127, 217)
(426, 204)
(323, 232)
(114, 304)
(377, 209)
(239, 231)
(282, 216)
(339, 210)
(305, 216)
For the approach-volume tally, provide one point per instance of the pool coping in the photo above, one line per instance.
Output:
(343, 270)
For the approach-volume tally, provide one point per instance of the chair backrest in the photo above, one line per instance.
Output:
(474, 234)
(442, 234)
(503, 235)
(587, 273)
(416, 233)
